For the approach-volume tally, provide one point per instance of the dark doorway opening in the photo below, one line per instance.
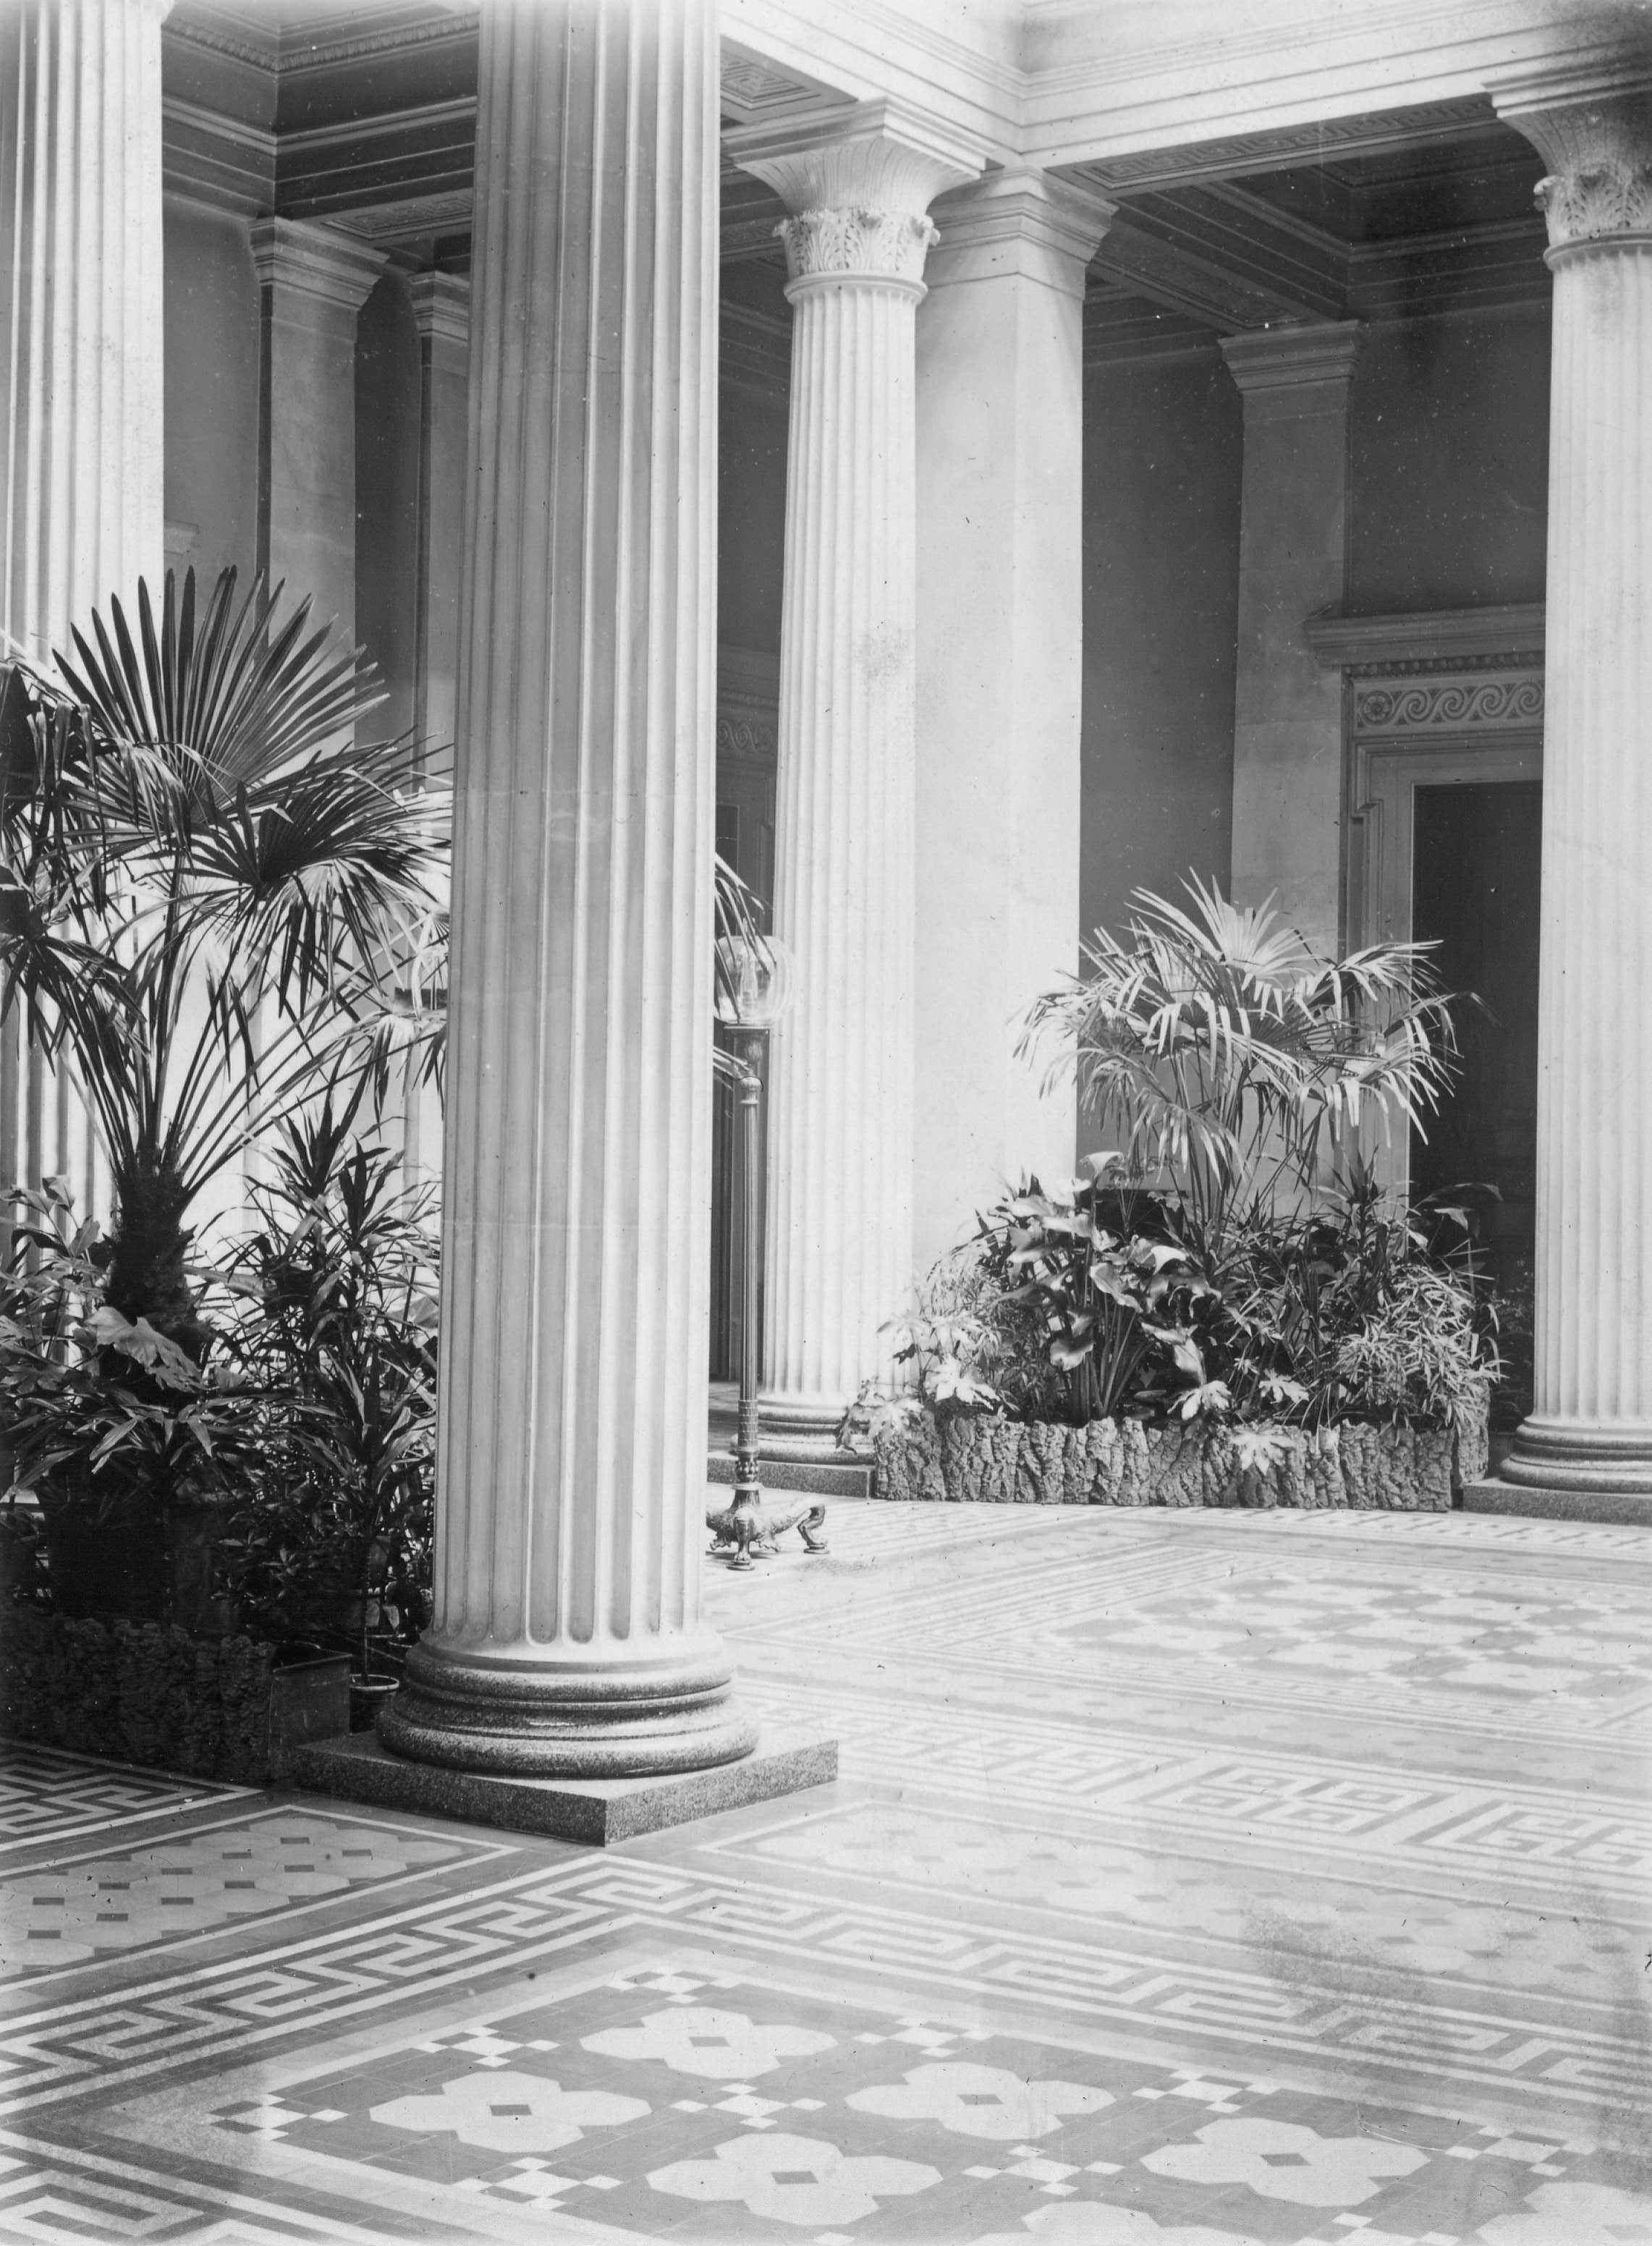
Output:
(1476, 868)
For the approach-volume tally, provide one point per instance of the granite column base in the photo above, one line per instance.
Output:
(1493, 1494)
(595, 1811)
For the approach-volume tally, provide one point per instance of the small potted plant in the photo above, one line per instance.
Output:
(339, 1284)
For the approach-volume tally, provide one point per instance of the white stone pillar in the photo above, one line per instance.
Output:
(1000, 425)
(859, 185)
(442, 313)
(81, 394)
(1587, 1446)
(1293, 561)
(313, 280)
(568, 1636)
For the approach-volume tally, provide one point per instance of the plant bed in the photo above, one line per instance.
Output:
(227, 1708)
(988, 1460)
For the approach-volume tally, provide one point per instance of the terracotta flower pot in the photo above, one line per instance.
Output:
(367, 1697)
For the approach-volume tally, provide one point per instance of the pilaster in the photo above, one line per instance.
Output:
(313, 280)
(1000, 459)
(442, 314)
(1293, 563)
(441, 304)
(856, 184)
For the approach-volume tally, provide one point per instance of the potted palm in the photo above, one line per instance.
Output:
(1227, 1302)
(206, 880)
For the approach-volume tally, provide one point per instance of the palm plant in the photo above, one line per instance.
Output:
(221, 914)
(1219, 1051)
(204, 877)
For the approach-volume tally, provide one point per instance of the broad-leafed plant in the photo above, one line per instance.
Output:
(1110, 1303)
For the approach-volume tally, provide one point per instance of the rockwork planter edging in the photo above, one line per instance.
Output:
(133, 1692)
(994, 1462)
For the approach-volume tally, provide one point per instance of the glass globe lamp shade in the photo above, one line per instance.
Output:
(755, 991)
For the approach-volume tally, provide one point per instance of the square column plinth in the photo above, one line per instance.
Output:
(597, 1810)
(1624, 1508)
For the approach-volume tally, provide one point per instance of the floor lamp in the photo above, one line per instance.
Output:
(756, 994)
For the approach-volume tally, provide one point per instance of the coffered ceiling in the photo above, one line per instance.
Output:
(364, 116)
(1439, 224)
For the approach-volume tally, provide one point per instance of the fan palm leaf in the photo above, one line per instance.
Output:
(1213, 1043)
(213, 898)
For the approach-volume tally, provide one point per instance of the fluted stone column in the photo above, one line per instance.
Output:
(1587, 1446)
(858, 184)
(1293, 561)
(313, 281)
(83, 452)
(568, 1636)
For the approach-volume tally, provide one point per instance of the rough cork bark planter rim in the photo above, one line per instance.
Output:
(161, 1698)
(1351, 1464)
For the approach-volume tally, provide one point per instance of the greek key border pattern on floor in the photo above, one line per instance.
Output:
(48, 1795)
(228, 2011)
(1498, 1832)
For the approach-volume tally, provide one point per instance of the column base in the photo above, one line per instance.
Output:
(849, 1475)
(797, 1448)
(596, 1811)
(1581, 1454)
(802, 1428)
(465, 1709)
(1571, 1470)
(1495, 1495)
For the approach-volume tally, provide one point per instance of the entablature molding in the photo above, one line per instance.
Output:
(320, 264)
(748, 679)
(1295, 360)
(1436, 673)
(1397, 643)
(441, 304)
(1021, 221)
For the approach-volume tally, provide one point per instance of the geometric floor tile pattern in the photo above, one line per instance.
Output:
(192, 1883)
(1192, 1880)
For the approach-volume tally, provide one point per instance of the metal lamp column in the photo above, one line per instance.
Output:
(747, 1525)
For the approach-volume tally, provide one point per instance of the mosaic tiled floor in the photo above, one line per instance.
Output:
(1192, 1880)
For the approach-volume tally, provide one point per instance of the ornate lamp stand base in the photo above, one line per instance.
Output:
(748, 1526)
